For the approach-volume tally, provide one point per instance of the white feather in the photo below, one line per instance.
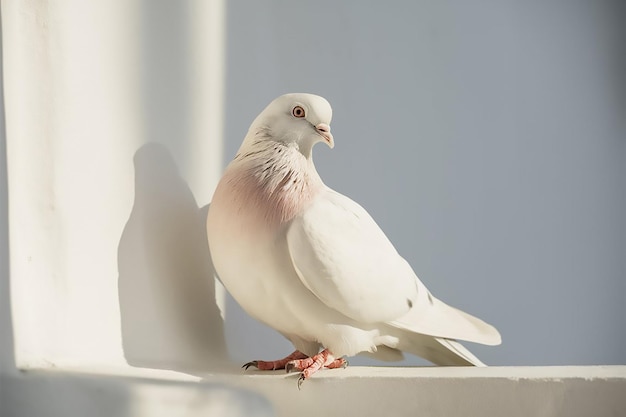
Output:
(343, 257)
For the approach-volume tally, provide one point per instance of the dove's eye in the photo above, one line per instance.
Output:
(298, 112)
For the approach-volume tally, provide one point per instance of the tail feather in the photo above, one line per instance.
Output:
(440, 351)
(446, 322)
(461, 351)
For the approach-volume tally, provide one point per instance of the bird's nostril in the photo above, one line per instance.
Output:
(323, 128)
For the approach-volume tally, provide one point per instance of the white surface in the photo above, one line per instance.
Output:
(362, 391)
(506, 391)
(99, 171)
(59, 394)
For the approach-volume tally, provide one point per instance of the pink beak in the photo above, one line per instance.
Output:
(324, 130)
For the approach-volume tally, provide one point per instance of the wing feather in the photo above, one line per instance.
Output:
(344, 258)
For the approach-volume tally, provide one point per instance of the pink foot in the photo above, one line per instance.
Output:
(338, 363)
(309, 366)
(273, 365)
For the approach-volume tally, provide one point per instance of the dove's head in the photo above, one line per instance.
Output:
(298, 119)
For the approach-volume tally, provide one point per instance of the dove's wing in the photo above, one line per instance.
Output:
(345, 259)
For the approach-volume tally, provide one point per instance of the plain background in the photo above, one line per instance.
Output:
(488, 140)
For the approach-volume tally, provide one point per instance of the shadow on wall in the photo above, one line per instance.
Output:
(170, 319)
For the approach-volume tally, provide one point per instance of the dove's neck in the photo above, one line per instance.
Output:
(272, 181)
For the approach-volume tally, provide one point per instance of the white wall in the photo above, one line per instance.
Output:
(488, 140)
(113, 148)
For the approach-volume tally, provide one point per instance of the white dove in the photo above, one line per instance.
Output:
(312, 264)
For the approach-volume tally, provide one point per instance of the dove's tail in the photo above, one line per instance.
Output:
(438, 350)
(460, 354)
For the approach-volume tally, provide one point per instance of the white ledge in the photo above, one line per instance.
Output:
(492, 391)
(450, 372)
(359, 391)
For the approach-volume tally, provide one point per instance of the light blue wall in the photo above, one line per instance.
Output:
(488, 140)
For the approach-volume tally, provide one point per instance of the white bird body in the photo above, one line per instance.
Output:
(312, 263)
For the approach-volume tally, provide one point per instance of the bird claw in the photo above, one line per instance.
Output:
(301, 380)
(289, 367)
(245, 366)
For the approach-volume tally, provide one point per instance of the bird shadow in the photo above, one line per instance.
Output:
(169, 315)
